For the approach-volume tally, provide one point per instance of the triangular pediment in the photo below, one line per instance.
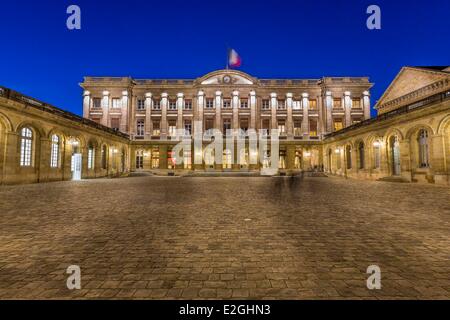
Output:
(226, 77)
(409, 80)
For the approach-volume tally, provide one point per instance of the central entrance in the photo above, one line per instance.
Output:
(76, 166)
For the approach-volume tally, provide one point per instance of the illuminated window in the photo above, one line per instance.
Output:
(54, 157)
(337, 103)
(26, 147)
(282, 159)
(281, 128)
(155, 158)
(116, 103)
(296, 105)
(140, 127)
(338, 124)
(312, 128)
(91, 157)
(156, 130)
(312, 104)
(139, 159)
(187, 159)
(172, 128)
(356, 103)
(297, 128)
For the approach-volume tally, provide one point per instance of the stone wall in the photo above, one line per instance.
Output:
(109, 149)
(419, 135)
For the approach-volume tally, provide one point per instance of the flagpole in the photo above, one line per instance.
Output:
(228, 57)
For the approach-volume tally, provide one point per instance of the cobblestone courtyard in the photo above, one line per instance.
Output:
(246, 238)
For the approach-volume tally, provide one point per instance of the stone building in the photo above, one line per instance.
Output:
(39, 142)
(153, 112)
(321, 124)
(409, 140)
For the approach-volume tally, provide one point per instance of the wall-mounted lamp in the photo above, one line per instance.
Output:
(376, 143)
(307, 154)
(337, 150)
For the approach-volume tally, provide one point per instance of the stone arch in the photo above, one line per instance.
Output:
(391, 132)
(35, 127)
(443, 125)
(415, 128)
(348, 153)
(6, 123)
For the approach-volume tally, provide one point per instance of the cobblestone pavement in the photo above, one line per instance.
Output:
(245, 238)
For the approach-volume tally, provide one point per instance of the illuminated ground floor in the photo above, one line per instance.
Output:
(247, 238)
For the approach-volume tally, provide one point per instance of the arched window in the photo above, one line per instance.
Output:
(139, 159)
(91, 157)
(26, 147)
(361, 155)
(376, 154)
(423, 149)
(104, 157)
(54, 157)
(348, 155)
(338, 158)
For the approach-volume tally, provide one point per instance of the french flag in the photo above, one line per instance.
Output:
(234, 60)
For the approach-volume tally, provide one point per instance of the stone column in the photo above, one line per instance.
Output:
(437, 159)
(132, 115)
(163, 124)
(305, 123)
(86, 103)
(148, 114)
(252, 102)
(290, 120)
(124, 111)
(347, 108)
(105, 108)
(366, 104)
(200, 106)
(11, 163)
(329, 111)
(405, 159)
(218, 106)
(273, 107)
(180, 103)
(44, 159)
(235, 105)
(320, 124)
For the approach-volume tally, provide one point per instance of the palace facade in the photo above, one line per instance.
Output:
(153, 112)
(321, 124)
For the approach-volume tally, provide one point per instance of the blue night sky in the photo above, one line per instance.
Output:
(186, 39)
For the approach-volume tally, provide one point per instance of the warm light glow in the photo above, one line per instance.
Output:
(307, 154)
(376, 143)
(337, 150)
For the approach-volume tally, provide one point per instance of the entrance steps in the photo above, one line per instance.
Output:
(223, 174)
(394, 179)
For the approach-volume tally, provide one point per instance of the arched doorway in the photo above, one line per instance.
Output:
(2, 149)
(394, 146)
(76, 161)
(227, 159)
